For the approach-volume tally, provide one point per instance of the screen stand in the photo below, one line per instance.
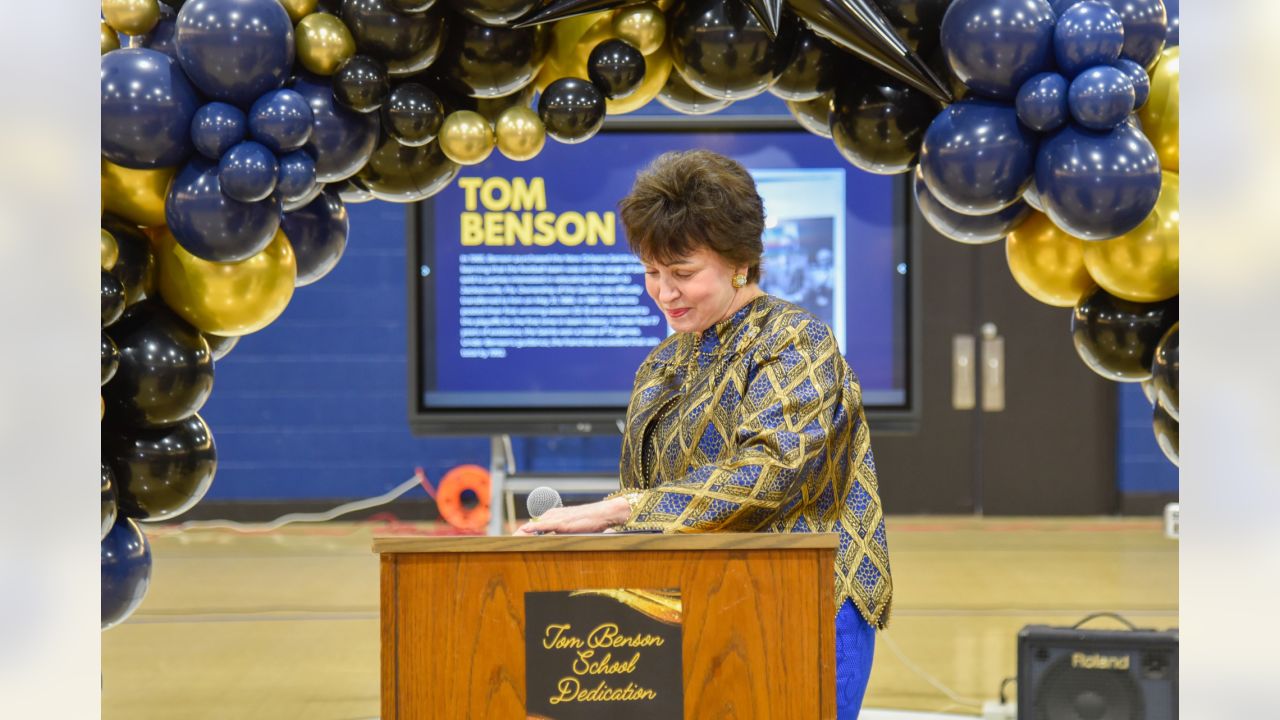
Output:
(505, 482)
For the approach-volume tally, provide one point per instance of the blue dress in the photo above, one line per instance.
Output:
(855, 648)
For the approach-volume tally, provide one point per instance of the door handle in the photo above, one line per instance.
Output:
(992, 369)
(963, 372)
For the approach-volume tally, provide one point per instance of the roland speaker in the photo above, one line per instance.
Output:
(1077, 674)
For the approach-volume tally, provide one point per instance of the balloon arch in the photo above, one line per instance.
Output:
(235, 131)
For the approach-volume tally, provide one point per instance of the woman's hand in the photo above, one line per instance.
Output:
(591, 518)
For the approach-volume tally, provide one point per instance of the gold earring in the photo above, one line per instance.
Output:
(739, 280)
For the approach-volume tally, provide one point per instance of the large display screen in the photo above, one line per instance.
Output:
(530, 308)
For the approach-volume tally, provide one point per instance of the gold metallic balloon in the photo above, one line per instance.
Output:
(1159, 116)
(644, 26)
(521, 134)
(135, 195)
(1142, 264)
(108, 40)
(657, 68)
(1047, 262)
(102, 407)
(572, 41)
(299, 9)
(228, 299)
(131, 17)
(110, 251)
(466, 137)
(323, 43)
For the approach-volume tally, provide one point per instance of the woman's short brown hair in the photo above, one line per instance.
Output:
(688, 200)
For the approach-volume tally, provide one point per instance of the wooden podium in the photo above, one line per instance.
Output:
(757, 624)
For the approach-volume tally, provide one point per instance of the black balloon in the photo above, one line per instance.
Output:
(112, 298)
(878, 122)
(616, 67)
(413, 114)
(398, 173)
(411, 6)
(860, 27)
(561, 9)
(135, 268)
(769, 13)
(219, 346)
(720, 48)
(110, 358)
(487, 62)
(1165, 428)
(811, 69)
(361, 83)
(917, 21)
(1164, 372)
(499, 13)
(677, 95)
(813, 115)
(407, 42)
(161, 472)
(166, 369)
(108, 501)
(352, 192)
(572, 110)
(1117, 338)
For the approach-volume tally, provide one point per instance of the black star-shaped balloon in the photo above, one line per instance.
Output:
(858, 26)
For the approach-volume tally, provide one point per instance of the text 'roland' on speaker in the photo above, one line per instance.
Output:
(1069, 673)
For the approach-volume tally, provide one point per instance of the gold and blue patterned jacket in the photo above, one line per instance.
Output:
(756, 425)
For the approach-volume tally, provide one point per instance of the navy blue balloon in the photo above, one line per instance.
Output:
(216, 127)
(212, 226)
(147, 105)
(341, 140)
(977, 159)
(235, 50)
(126, 571)
(1171, 23)
(1145, 27)
(297, 175)
(968, 229)
(161, 36)
(318, 234)
(1140, 79)
(1101, 97)
(248, 172)
(281, 120)
(1097, 185)
(1031, 197)
(1042, 102)
(1088, 33)
(993, 46)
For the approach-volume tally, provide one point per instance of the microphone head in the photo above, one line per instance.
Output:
(541, 500)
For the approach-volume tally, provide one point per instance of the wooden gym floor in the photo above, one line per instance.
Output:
(285, 624)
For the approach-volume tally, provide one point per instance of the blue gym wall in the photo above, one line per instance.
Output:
(314, 406)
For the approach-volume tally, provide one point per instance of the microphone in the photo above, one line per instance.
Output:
(541, 500)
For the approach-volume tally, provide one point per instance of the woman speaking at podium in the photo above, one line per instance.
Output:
(747, 418)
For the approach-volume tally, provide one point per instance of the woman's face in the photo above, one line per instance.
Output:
(694, 292)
